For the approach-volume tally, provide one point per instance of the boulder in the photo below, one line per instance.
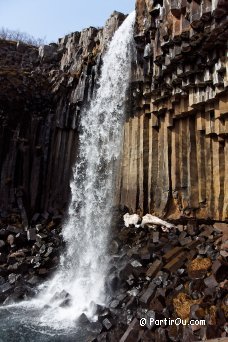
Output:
(2, 243)
(10, 239)
(31, 234)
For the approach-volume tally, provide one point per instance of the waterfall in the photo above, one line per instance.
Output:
(84, 265)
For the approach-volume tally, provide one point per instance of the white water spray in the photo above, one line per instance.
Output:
(83, 267)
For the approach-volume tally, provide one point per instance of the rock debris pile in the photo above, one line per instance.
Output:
(27, 255)
(161, 275)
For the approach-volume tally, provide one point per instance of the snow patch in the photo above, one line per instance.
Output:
(134, 219)
(131, 219)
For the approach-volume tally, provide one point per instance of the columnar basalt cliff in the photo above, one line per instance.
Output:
(173, 164)
(175, 146)
(41, 93)
(174, 159)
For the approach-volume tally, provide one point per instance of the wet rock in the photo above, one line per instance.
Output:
(154, 268)
(207, 231)
(150, 319)
(224, 254)
(102, 337)
(114, 246)
(43, 271)
(147, 295)
(155, 237)
(107, 324)
(20, 239)
(192, 228)
(103, 313)
(161, 278)
(203, 248)
(45, 215)
(10, 239)
(95, 327)
(136, 263)
(3, 234)
(210, 281)
(131, 334)
(176, 262)
(57, 219)
(17, 255)
(2, 243)
(31, 234)
(144, 254)
(35, 217)
(185, 241)
(114, 304)
(34, 280)
(3, 258)
(188, 335)
(61, 296)
(5, 290)
(157, 304)
(222, 227)
(20, 292)
(13, 229)
(83, 319)
(222, 273)
(132, 303)
(13, 278)
(66, 302)
(48, 252)
(39, 227)
(112, 282)
(173, 332)
(172, 253)
(130, 280)
(160, 335)
(133, 292)
(2, 280)
(40, 237)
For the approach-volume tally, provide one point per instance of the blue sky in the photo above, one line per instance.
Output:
(52, 19)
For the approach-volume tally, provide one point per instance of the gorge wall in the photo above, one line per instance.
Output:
(175, 152)
(42, 90)
(174, 158)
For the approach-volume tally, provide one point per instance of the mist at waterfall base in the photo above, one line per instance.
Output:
(83, 267)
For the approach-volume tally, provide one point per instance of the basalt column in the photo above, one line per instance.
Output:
(175, 148)
(42, 92)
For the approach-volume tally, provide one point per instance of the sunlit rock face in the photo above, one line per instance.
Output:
(44, 90)
(175, 149)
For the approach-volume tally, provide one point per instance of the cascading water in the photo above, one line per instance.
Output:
(83, 267)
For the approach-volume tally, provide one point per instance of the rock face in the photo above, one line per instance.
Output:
(40, 100)
(175, 145)
(174, 158)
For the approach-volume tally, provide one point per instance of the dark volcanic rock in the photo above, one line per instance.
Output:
(179, 282)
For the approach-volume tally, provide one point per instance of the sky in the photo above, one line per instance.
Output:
(52, 19)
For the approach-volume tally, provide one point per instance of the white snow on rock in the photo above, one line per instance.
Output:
(134, 220)
(156, 220)
(131, 219)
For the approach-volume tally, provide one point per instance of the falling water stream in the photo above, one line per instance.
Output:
(84, 265)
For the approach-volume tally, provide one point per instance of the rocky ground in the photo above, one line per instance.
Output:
(27, 255)
(154, 275)
(178, 274)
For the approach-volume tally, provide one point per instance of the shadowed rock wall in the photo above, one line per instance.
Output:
(41, 94)
(175, 151)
